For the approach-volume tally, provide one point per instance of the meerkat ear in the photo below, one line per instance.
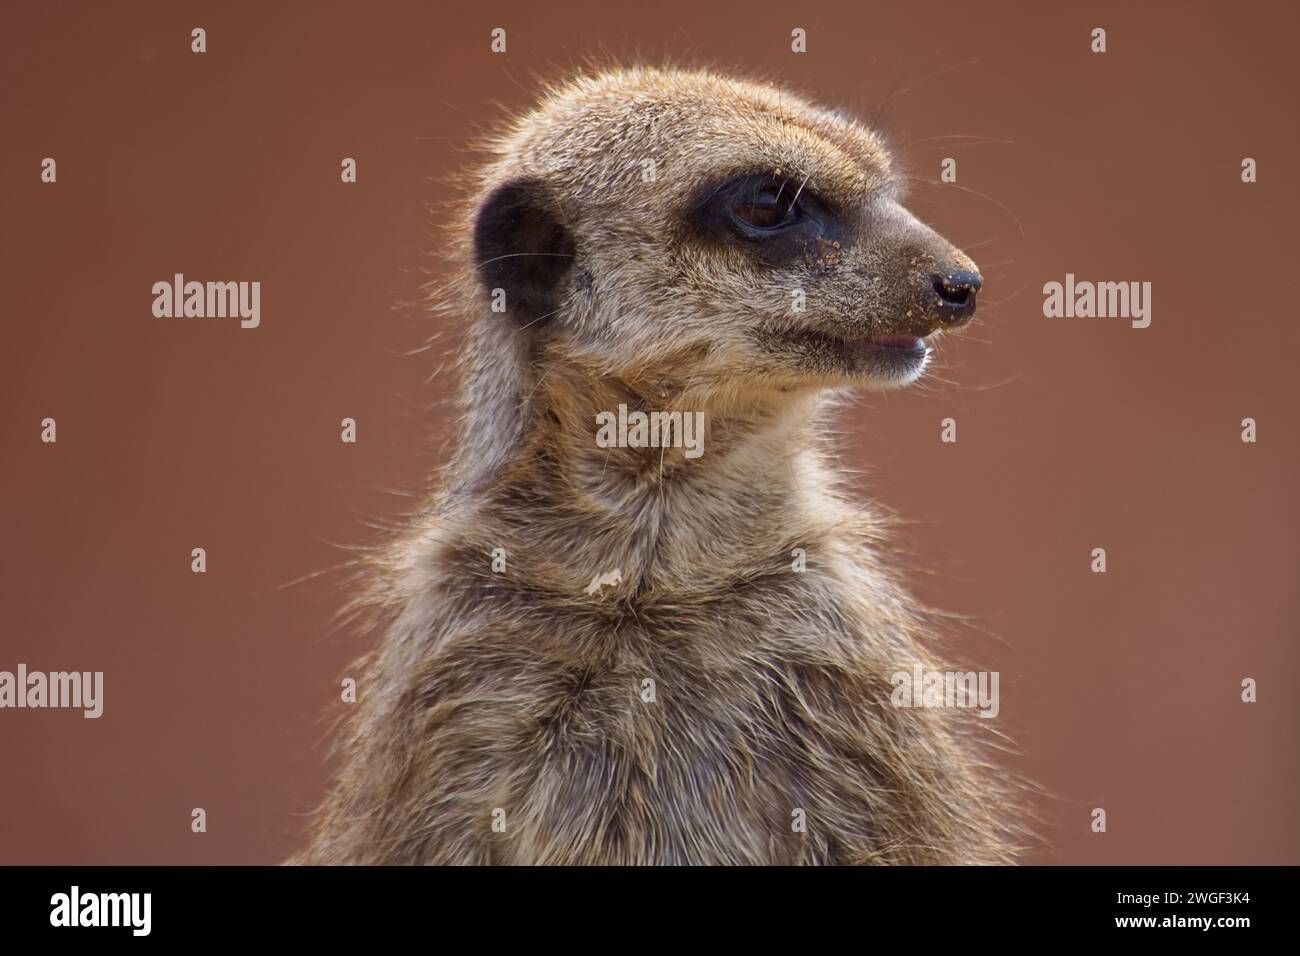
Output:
(522, 248)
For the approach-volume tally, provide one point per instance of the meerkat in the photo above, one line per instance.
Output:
(606, 655)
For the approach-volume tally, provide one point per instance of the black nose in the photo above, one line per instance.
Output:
(956, 291)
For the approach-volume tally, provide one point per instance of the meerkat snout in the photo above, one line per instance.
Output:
(957, 292)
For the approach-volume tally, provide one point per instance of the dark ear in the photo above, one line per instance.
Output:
(521, 246)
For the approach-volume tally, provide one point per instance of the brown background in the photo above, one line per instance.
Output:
(1121, 689)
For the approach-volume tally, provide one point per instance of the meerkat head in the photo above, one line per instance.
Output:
(667, 226)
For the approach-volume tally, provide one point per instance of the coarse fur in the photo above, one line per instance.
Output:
(504, 717)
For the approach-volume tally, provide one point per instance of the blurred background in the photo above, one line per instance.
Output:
(1120, 690)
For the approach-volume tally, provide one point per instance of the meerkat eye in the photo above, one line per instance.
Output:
(767, 209)
(768, 213)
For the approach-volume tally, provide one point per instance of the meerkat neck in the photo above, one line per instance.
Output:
(675, 499)
(623, 438)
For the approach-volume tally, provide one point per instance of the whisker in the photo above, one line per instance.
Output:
(1008, 298)
(975, 136)
(514, 255)
(1000, 205)
(801, 186)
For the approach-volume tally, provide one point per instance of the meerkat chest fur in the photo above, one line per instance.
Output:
(740, 717)
(660, 666)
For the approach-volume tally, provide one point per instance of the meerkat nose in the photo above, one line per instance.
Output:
(957, 292)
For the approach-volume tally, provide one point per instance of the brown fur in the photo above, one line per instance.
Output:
(521, 691)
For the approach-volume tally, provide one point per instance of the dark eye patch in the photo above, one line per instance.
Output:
(778, 218)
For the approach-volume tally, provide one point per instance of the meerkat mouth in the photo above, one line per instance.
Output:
(896, 358)
(893, 343)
